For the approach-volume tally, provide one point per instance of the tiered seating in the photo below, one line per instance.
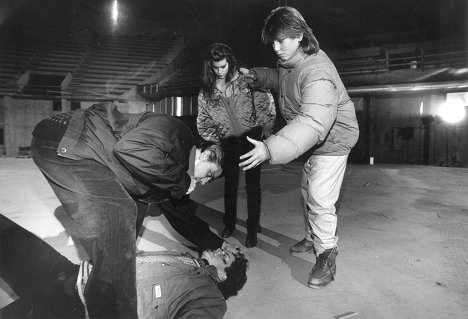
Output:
(112, 68)
(187, 79)
(14, 61)
(121, 63)
(61, 58)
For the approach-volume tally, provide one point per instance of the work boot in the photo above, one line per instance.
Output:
(251, 240)
(324, 269)
(303, 246)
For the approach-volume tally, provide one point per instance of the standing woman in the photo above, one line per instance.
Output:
(320, 118)
(228, 112)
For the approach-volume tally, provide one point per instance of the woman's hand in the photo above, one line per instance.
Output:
(256, 156)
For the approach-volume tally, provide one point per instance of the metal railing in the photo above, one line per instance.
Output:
(412, 60)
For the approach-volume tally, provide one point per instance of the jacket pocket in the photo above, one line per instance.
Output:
(152, 303)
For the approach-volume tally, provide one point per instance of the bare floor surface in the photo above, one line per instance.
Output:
(403, 247)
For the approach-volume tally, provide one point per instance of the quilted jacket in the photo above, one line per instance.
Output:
(252, 108)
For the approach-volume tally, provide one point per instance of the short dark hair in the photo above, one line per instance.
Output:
(288, 22)
(236, 277)
(217, 52)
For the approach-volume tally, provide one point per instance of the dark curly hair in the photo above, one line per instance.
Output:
(236, 277)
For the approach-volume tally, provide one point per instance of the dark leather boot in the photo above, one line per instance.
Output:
(251, 240)
(324, 269)
(302, 246)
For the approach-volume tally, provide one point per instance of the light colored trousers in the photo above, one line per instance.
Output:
(321, 183)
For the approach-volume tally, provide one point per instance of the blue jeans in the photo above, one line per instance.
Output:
(105, 219)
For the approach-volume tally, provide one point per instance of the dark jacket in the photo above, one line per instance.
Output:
(169, 289)
(146, 151)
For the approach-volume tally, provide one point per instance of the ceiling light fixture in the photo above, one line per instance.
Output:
(115, 12)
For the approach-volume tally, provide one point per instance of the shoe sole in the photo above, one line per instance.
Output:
(318, 286)
(310, 251)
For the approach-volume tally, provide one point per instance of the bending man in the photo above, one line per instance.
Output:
(100, 162)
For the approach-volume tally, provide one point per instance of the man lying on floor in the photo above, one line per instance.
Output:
(169, 285)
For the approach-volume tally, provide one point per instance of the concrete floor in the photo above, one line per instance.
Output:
(403, 249)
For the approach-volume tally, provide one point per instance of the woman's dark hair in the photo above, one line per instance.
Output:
(215, 153)
(236, 277)
(286, 22)
(216, 53)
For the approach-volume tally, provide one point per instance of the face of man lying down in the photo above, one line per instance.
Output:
(219, 258)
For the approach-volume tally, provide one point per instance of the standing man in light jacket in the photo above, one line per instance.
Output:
(100, 163)
(320, 119)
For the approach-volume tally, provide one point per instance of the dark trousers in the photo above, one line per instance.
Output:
(43, 279)
(105, 219)
(181, 214)
(233, 149)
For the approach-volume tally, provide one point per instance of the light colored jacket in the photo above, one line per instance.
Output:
(314, 102)
(252, 108)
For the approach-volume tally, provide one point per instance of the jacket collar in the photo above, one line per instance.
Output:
(294, 60)
(208, 270)
(236, 77)
(211, 272)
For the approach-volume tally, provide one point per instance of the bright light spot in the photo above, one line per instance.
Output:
(178, 106)
(421, 108)
(454, 110)
(115, 12)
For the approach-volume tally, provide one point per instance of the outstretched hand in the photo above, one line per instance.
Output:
(256, 156)
(244, 71)
(250, 77)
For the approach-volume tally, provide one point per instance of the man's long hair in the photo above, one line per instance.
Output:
(286, 22)
(236, 277)
(216, 53)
